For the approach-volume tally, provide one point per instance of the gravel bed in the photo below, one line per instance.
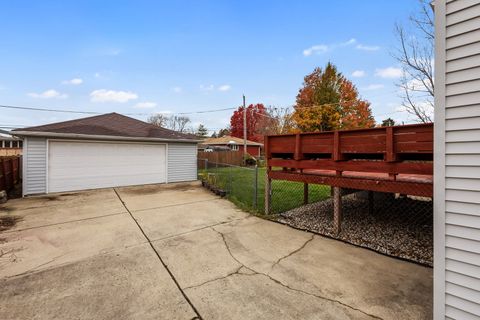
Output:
(401, 227)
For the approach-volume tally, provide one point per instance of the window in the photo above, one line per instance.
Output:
(234, 147)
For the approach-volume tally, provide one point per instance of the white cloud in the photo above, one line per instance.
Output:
(177, 89)
(145, 105)
(322, 48)
(372, 87)
(74, 81)
(103, 95)
(97, 75)
(48, 94)
(209, 87)
(359, 73)
(367, 48)
(317, 49)
(390, 72)
(349, 42)
(224, 87)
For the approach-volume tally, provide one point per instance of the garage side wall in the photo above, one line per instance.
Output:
(182, 162)
(35, 166)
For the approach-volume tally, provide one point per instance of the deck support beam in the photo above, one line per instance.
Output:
(268, 194)
(337, 209)
(305, 193)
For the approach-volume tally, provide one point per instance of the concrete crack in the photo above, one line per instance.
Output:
(237, 271)
(293, 252)
(256, 273)
(160, 258)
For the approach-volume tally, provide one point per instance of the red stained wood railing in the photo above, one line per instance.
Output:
(394, 150)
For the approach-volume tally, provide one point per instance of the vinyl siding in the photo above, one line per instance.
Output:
(182, 162)
(461, 159)
(35, 166)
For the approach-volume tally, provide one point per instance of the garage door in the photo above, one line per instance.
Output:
(90, 165)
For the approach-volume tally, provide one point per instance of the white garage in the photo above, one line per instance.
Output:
(104, 151)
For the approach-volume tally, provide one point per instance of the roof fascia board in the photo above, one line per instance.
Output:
(95, 137)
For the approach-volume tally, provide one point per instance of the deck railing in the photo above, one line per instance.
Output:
(393, 150)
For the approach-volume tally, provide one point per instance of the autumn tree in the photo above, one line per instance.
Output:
(256, 118)
(329, 101)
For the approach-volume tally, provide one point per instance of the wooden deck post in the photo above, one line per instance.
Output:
(268, 193)
(337, 209)
(370, 202)
(305, 193)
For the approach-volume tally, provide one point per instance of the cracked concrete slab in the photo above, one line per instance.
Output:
(174, 220)
(125, 284)
(197, 257)
(259, 244)
(380, 285)
(242, 296)
(40, 248)
(230, 265)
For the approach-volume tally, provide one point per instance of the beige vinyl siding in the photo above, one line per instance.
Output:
(35, 166)
(182, 162)
(462, 160)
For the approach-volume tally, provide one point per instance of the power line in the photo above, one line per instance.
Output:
(49, 110)
(99, 113)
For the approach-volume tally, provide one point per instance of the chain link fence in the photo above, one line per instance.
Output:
(396, 224)
(245, 186)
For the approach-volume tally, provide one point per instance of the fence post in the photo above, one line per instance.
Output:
(305, 193)
(3, 177)
(268, 193)
(337, 209)
(255, 188)
(206, 165)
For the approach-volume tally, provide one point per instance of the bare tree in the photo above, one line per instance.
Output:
(416, 53)
(179, 123)
(176, 123)
(279, 120)
(158, 119)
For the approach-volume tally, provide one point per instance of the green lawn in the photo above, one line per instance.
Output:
(239, 183)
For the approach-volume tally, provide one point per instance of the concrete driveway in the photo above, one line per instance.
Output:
(179, 252)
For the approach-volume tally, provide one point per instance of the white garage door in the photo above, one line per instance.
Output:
(90, 165)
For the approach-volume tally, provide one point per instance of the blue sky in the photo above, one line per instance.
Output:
(182, 56)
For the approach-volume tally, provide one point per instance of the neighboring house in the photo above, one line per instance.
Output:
(234, 144)
(457, 160)
(9, 145)
(104, 151)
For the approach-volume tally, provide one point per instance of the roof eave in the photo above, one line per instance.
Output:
(21, 133)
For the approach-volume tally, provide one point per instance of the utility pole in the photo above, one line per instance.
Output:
(244, 128)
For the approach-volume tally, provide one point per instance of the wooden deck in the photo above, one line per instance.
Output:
(395, 159)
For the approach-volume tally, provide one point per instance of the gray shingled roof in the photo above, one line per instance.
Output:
(110, 124)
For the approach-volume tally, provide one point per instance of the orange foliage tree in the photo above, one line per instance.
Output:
(329, 101)
(256, 118)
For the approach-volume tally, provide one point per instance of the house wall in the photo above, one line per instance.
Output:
(182, 162)
(251, 150)
(457, 160)
(35, 166)
(181, 157)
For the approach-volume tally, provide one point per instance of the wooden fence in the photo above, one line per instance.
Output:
(226, 157)
(9, 172)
